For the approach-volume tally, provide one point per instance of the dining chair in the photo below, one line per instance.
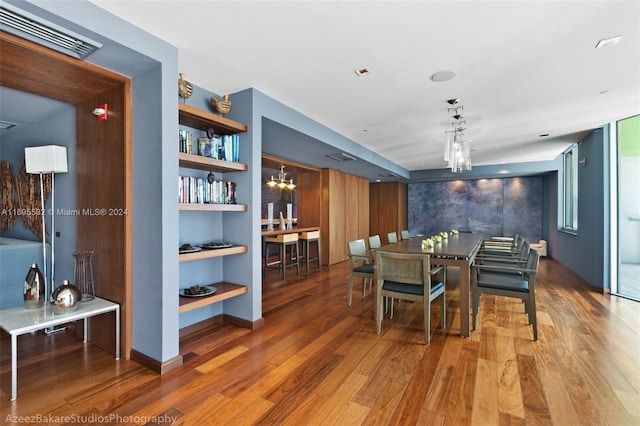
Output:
(374, 243)
(404, 234)
(361, 266)
(407, 276)
(508, 281)
(518, 259)
(392, 237)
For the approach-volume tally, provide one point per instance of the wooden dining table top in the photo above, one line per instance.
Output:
(289, 231)
(462, 245)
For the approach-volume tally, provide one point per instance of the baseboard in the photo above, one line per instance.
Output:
(165, 367)
(154, 365)
(199, 326)
(240, 322)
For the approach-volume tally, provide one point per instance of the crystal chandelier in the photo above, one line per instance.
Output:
(457, 152)
(281, 182)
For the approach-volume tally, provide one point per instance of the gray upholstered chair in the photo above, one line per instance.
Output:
(508, 281)
(407, 276)
(361, 266)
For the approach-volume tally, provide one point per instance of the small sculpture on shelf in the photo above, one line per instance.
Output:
(222, 105)
(65, 298)
(185, 89)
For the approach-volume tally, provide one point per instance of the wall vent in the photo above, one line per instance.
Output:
(341, 156)
(388, 175)
(48, 34)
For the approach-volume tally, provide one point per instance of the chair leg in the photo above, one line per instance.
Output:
(532, 316)
(443, 308)
(379, 312)
(350, 289)
(427, 320)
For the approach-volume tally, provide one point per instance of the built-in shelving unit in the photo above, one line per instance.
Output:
(208, 254)
(224, 291)
(196, 118)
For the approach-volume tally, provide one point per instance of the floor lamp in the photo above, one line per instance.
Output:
(43, 160)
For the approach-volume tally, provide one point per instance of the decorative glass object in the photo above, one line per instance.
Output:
(83, 275)
(65, 298)
(34, 288)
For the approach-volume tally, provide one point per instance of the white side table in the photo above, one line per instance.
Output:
(18, 321)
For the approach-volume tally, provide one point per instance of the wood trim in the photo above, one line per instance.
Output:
(200, 326)
(154, 365)
(241, 322)
(32, 68)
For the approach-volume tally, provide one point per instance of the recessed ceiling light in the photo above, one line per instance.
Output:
(362, 71)
(608, 41)
(445, 75)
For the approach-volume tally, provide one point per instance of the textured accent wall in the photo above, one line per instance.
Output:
(279, 198)
(489, 207)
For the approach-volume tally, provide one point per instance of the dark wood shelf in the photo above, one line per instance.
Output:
(207, 254)
(224, 290)
(197, 118)
(213, 207)
(200, 162)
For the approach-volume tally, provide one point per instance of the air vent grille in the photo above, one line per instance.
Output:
(341, 156)
(388, 175)
(46, 33)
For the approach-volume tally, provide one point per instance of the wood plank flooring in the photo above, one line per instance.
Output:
(318, 361)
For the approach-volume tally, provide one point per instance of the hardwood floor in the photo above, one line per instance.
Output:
(318, 361)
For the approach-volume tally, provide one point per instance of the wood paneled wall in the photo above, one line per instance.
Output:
(345, 213)
(309, 199)
(387, 208)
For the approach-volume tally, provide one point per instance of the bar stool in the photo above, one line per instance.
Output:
(283, 241)
(307, 238)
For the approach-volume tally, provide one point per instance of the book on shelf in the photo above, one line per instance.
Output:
(192, 190)
(225, 147)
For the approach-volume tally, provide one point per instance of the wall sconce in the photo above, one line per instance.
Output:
(101, 112)
(583, 162)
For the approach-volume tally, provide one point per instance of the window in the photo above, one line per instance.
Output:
(569, 217)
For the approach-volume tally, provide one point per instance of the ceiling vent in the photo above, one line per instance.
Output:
(48, 34)
(388, 175)
(341, 156)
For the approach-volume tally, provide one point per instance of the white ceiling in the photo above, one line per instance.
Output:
(525, 68)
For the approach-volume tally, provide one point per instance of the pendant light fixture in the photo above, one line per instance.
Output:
(457, 152)
(281, 182)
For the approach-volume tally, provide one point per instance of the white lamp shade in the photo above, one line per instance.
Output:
(46, 159)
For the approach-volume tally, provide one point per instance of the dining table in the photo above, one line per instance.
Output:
(458, 249)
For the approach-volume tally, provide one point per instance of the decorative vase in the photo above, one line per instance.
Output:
(65, 298)
(34, 287)
(83, 276)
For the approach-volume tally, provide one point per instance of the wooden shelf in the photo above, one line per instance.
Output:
(200, 162)
(207, 254)
(224, 291)
(213, 207)
(200, 119)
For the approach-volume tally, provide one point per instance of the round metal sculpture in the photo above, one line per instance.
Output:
(65, 299)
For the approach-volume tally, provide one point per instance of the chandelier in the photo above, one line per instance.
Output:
(457, 151)
(281, 182)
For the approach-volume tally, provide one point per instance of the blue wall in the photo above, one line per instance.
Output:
(59, 129)
(586, 252)
(490, 207)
